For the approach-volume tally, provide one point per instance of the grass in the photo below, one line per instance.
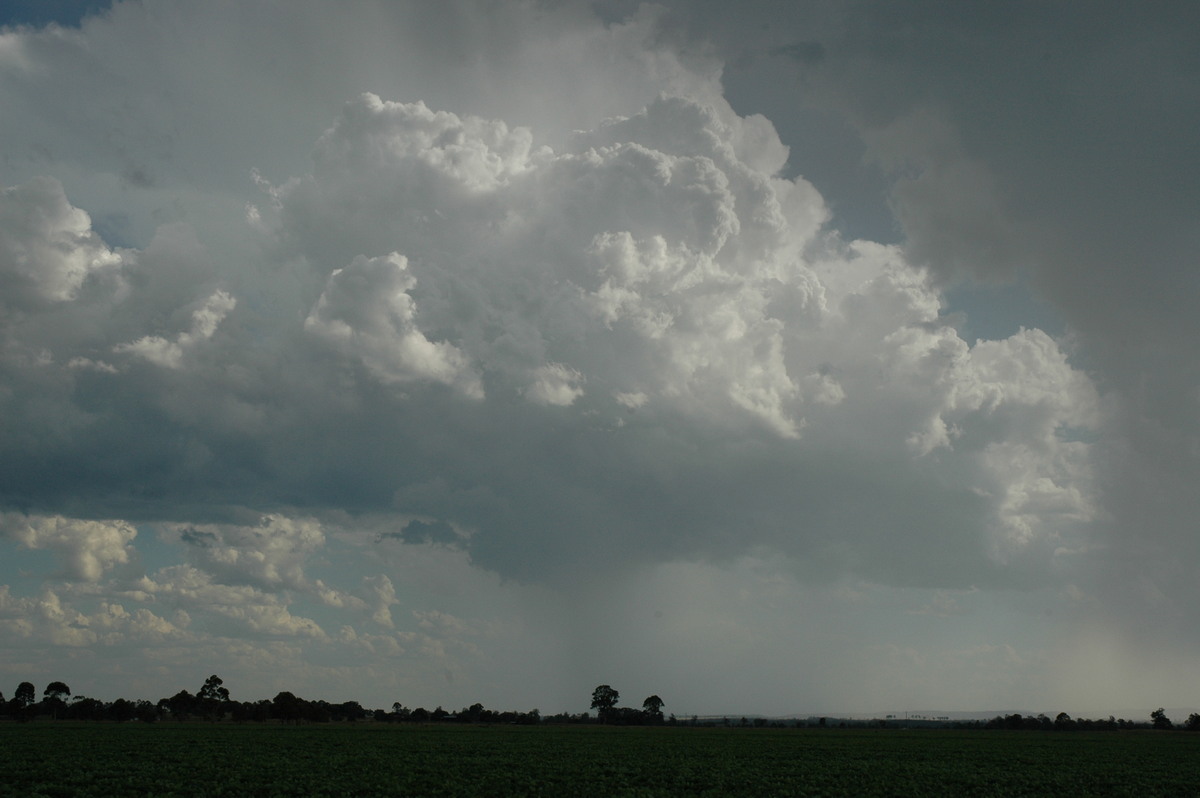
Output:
(85, 759)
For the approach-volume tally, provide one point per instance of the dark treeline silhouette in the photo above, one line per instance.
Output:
(1064, 722)
(212, 702)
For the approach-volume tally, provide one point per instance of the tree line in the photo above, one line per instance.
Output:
(1064, 722)
(213, 702)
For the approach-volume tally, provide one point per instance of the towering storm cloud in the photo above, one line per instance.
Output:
(495, 377)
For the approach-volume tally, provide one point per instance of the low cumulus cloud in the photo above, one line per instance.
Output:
(49, 246)
(87, 549)
(169, 354)
(270, 554)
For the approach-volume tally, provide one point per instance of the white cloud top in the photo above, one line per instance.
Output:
(367, 312)
(49, 247)
(169, 354)
(88, 548)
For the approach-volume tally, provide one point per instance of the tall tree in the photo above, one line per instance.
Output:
(26, 694)
(287, 707)
(604, 698)
(21, 705)
(652, 706)
(1161, 721)
(54, 693)
(212, 697)
(181, 704)
(212, 690)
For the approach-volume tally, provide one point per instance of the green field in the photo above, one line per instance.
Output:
(194, 759)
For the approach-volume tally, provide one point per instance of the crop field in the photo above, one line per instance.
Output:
(225, 759)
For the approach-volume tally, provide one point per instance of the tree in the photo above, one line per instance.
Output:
(181, 704)
(212, 697)
(21, 706)
(54, 693)
(1161, 721)
(652, 706)
(350, 710)
(212, 690)
(287, 707)
(26, 694)
(122, 710)
(604, 698)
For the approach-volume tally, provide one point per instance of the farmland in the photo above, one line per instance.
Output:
(226, 759)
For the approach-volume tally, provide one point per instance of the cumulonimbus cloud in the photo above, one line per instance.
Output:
(661, 266)
(655, 279)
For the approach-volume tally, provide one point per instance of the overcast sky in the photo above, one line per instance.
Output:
(803, 357)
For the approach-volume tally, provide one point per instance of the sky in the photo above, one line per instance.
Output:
(818, 357)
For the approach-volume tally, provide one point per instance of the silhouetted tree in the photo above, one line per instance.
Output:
(212, 697)
(349, 710)
(257, 711)
(26, 694)
(1193, 722)
(21, 705)
(84, 708)
(122, 710)
(652, 706)
(287, 707)
(604, 698)
(53, 700)
(1161, 721)
(56, 690)
(144, 711)
(181, 704)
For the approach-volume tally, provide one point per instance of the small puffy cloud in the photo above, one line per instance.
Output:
(468, 152)
(53, 619)
(88, 549)
(47, 246)
(554, 384)
(228, 607)
(367, 313)
(382, 597)
(333, 597)
(169, 354)
(270, 554)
